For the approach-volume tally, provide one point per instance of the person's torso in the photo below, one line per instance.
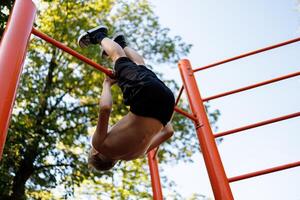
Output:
(130, 138)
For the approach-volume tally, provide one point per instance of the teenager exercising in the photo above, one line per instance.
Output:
(151, 105)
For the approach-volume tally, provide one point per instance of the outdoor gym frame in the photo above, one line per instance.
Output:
(13, 50)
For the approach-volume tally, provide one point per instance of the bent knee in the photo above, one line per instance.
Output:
(117, 55)
(139, 61)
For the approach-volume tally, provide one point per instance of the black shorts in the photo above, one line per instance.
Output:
(143, 91)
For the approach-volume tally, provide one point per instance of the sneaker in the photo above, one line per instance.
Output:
(118, 38)
(92, 36)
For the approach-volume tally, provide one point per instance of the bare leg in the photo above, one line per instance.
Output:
(162, 136)
(134, 56)
(113, 50)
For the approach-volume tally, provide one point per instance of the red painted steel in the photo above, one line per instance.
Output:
(72, 52)
(179, 95)
(188, 115)
(262, 123)
(265, 171)
(155, 180)
(216, 172)
(253, 86)
(156, 151)
(249, 54)
(12, 54)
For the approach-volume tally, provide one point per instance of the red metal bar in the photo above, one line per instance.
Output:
(252, 86)
(12, 54)
(214, 166)
(156, 151)
(179, 95)
(188, 115)
(265, 171)
(72, 52)
(249, 54)
(257, 124)
(155, 180)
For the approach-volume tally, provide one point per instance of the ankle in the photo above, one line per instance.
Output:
(101, 37)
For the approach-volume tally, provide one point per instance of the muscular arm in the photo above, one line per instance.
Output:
(161, 137)
(105, 109)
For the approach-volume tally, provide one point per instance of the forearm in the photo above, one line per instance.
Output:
(104, 113)
(106, 97)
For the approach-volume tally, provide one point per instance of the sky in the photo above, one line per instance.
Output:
(223, 29)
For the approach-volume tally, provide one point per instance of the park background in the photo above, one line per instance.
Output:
(218, 30)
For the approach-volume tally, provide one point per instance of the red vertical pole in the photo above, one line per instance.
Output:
(155, 180)
(13, 49)
(214, 166)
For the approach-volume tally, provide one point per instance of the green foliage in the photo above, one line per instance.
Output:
(57, 106)
(5, 7)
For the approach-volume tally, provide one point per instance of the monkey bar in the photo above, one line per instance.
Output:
(252, 86)
(215, 169)
(248, 54)
(13, 49)
(71, 52)
(265, 171)
(262, 123)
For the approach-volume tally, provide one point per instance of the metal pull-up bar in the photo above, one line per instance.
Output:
(248, 54)
(252, 86)
(258, 124)
(213, 163)
(72, 52)
(215, 169)
(13, 50)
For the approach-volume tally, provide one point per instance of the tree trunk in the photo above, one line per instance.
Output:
(26, 168)
(25, 171)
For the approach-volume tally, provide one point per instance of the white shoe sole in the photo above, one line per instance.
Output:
(81, 44)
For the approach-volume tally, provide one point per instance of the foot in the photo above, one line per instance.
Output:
(118, 38)
(92, 36)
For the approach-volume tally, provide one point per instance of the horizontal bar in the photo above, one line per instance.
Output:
(265, 171)
(248, 54)
(252, 86)
(257, 124)
(72, 52)
(188, 115)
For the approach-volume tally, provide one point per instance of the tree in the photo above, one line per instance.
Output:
(5, 7)
(57, 104)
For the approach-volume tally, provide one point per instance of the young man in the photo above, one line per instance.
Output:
(151, 105)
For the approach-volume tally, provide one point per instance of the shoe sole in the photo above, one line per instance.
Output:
(81, 44)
